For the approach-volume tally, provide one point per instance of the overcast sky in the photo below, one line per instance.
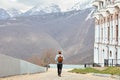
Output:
(24, 5)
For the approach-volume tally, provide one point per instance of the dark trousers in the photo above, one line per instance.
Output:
(59, 68)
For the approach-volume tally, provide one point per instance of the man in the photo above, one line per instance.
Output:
(59, 59)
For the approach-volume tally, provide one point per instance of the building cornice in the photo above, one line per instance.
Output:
(95, 3)
(107, 44)
(110, 9)
(96, 15)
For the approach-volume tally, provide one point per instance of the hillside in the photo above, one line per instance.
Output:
(72, 32)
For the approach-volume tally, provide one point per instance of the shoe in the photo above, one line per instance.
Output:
(60, 75)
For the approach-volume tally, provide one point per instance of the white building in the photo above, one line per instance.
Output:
(107, 32)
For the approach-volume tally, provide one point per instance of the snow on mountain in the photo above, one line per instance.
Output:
(14, 12)
(42, 9)
(90, 15)
(10, 13)
(33, 35)
(3, 14)
(80, 6)
(55, 7)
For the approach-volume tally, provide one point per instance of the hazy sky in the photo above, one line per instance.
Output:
(24, 5)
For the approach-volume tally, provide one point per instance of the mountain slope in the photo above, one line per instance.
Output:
(42, 9)
(3, 14)
(31, 35)
(14, 12)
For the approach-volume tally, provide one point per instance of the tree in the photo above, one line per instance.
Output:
(47, 57)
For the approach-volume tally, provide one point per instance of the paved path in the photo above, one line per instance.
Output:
(52, 75)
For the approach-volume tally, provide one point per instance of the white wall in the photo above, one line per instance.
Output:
(12, 66)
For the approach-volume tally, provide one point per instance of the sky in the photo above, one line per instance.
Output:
(24, 5)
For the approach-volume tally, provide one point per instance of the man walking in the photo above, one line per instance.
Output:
(59, 59)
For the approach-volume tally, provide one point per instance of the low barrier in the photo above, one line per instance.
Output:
(11, 66)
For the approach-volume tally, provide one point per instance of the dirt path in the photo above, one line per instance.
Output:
(52, 75)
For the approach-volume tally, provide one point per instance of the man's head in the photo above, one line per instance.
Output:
(59, 52)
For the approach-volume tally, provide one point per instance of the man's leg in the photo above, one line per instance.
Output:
(60, 69)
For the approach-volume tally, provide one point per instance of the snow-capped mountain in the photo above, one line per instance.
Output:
(53, 7)
(14, 12)
(29, 36)
(80, 6)
(10, 13)
(75, 7)
(3, 14)
(43, 9)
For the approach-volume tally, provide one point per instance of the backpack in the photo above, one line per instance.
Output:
(60, 59)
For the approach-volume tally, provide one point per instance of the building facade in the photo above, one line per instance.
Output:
(107, 32)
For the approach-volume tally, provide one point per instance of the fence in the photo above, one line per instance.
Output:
(111, 62)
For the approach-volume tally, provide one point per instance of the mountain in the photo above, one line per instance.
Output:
(10, 13)
(80, 6)
(56, 7)
(72, 32)
(14, 12)
(43, 9)
(3, 14)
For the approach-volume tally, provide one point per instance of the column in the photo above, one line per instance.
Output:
(106, 32)
(119, 29)
(98, 33)
(100, 29)
(96, 54)
(114, 38)
(107, 29)
(111, 29)
(103, 30)
(95, 33)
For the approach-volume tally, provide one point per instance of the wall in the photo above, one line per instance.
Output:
(11, 66)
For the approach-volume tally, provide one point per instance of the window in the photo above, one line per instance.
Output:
(111, 18)
(112, 32)
(116, 58)
(110, 53)
(116, 55)
(108, 19)
(103, 50)
(117, 19)
(101, 4)
(116, 32)
(108, 33)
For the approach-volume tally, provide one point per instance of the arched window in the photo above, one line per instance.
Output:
(103, 50)
(110, 53)
(116, 32)
(108, 33)
(116, 55)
